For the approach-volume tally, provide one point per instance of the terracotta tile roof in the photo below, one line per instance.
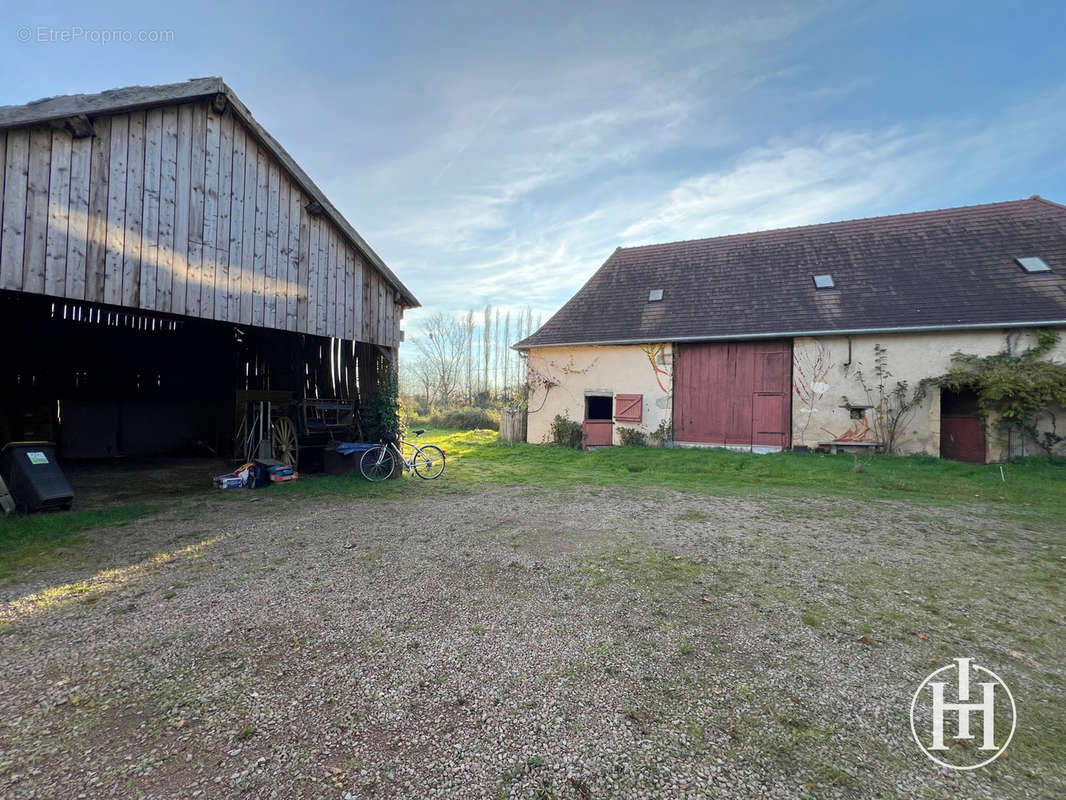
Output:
(952, 268)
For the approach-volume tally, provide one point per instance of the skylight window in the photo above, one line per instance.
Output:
(824, 282)
(655, 294)
(1033, 264)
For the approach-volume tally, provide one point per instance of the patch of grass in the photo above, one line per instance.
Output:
(29, 541)
(1035, 488)
(692, 515)
(834, 776)
(376, 640)
(812, 618)
(695, 732)
(1035, 491)
(651, 569)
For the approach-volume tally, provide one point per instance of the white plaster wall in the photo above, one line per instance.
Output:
(561, 377)
(822, 378)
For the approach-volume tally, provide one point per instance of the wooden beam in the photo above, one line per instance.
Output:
(182, 208)
(236, 227)
(13, 236)
(80, 126)
(131, 250)
(33, 265)
(99, 190)
(150, 251)
(209, 233)
(55, 256)
(222, 231)
(168, 203)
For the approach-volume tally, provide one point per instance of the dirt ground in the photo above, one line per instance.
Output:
(523, 643)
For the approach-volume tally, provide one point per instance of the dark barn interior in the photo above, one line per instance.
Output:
(108, 382)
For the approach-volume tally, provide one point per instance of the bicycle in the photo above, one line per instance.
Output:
(379, 462)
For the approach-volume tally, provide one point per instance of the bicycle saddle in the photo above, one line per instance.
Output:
(419, 432)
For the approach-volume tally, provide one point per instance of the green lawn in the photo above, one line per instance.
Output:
(1034, 489)
(27, 540)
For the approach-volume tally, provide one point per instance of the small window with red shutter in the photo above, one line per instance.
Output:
(628, 407)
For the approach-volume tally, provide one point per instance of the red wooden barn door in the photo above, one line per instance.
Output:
(772, 395)
(962, 427)
(735, 393)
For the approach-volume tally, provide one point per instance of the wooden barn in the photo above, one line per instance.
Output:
(167, 270)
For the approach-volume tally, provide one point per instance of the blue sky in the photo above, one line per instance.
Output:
(498, 152)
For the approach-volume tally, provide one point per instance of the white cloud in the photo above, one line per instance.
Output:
(846, 174)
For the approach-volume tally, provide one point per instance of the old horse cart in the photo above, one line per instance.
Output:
(275, 425)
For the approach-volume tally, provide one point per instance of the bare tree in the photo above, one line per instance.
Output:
(418, 378)
(469, 330)
(486, 345)
(442, 343)
(506, 351)
(496, 357)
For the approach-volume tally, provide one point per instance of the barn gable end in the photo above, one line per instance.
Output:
(174, 200)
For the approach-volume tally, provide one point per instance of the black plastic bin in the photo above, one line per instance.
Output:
(34, 478)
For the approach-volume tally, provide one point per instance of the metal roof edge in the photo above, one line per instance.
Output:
(783, 334)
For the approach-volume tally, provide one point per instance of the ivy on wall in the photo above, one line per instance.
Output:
(1021, 388)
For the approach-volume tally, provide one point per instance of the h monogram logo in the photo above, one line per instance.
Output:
(984, 709)
(963, 708)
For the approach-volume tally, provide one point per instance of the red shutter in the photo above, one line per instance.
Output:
(628, 407)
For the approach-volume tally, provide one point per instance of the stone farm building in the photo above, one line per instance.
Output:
(164, 264)
(766, 340)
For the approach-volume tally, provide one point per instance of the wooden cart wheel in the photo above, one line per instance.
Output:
(283, 444)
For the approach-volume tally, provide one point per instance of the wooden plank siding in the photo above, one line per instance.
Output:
(99, 191)
(13, 229)
(39, 173)
(168, 201)
(78, 218)
(153, 148)
(182, 209)
(55, 253)
(132, 242)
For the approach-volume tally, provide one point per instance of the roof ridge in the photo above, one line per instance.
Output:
(810, 226)
(1047, 202)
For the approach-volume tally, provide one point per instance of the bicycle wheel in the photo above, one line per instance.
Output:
(429, 462)
(376, 463)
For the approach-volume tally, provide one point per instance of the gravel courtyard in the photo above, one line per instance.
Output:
(526, 643)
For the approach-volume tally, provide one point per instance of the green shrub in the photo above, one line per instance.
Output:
(456, 418)
(664, 433)
(565, 432)
(469, 419)
(631, 436)
(382, 410)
